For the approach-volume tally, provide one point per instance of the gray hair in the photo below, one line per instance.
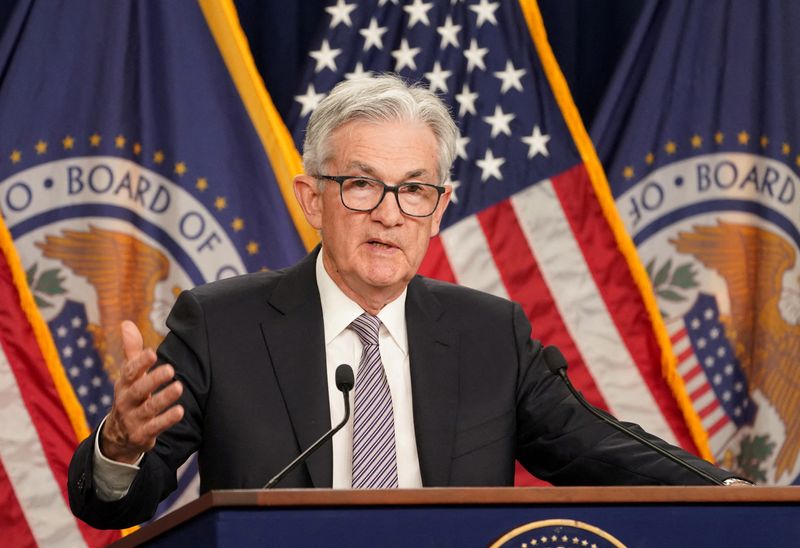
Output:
(382, 98)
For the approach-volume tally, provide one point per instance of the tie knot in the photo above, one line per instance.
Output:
(367, 327)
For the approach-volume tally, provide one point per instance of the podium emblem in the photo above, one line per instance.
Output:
(553, 533)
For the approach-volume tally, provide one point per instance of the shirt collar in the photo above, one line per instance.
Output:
(339, 311)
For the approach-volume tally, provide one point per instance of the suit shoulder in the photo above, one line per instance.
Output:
(456, 296)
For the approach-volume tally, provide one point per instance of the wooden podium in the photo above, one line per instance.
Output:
(629, 516)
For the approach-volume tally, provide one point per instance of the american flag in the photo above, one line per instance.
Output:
(531, 217)
(713, 376)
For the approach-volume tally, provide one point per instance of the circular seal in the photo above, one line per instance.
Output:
(719, 237)
(552, 533)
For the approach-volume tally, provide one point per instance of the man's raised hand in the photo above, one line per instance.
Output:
(138, 415)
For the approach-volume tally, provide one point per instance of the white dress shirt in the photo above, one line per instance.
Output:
(342, 345)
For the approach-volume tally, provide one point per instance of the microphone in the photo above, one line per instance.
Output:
(344, 382)
(558, 366)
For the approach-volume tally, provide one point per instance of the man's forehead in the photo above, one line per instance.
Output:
(368, 148)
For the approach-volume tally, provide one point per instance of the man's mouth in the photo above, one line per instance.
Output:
(380, 244)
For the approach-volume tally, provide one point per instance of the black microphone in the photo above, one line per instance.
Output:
(558, 366)
(344, 382)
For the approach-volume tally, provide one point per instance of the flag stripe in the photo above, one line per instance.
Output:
(435, 263)
(470, 257)
(38, 401)
(597, 177)
(16, 531)
(584, 313)
(618, 291)
(525, 285)
(39, 493)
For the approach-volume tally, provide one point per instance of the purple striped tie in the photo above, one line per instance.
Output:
(374, 456)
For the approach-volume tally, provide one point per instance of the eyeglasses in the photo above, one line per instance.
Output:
(365, 194)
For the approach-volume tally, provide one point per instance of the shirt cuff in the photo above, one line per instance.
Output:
(112, 479)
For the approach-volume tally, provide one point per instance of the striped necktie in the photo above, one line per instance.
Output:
(374, 456)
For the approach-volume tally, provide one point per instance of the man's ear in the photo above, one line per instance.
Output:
(439, 212)
(309, 198)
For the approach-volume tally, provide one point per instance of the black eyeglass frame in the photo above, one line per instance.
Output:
(394, 189)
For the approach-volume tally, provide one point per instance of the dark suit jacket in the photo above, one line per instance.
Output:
(251, 354)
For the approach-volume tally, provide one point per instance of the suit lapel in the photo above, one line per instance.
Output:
(433, 356)
(296, 343)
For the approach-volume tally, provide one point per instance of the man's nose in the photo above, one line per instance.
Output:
(388, 211)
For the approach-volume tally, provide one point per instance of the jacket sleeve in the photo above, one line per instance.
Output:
(559, 441)
(185, 348)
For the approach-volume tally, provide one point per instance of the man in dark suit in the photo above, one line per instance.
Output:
(450, 388)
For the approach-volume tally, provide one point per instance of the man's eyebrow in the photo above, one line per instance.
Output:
(369, 170)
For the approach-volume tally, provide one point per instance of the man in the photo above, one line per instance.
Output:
(452, 393)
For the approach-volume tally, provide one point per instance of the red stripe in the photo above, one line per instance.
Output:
(39, 394)
(677, 336)
(525, 285)
(12, 521)
(685, 355)
(435, 263)
(717, 426)
(618, 289)
(693, 372)
(708, 409)
(694, 396)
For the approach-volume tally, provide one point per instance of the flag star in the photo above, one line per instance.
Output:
(67, 351)
(96, 381)
(76, 322)
(81, 342)
(475, 56)
(119, 141)
(310, 100)
(418, 13)
(92, 408)
(490, 166)
(88, 362)
(537, 143)
(485, 12)
(358, 72)
(461, 147)
(438, 77)
(708, 313)
(83, 390)
(728, 369)
(62, 331)
(449, 33)
(41, 147)
(340, 13)
(404, 56)
(325, 57)
(68, 142)
(466, 101)
(373, 35)
(15, 156)
(74, 371)
(499, 121)
(510, 77)
(106, 400)
(454, 186)
(383, 2)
